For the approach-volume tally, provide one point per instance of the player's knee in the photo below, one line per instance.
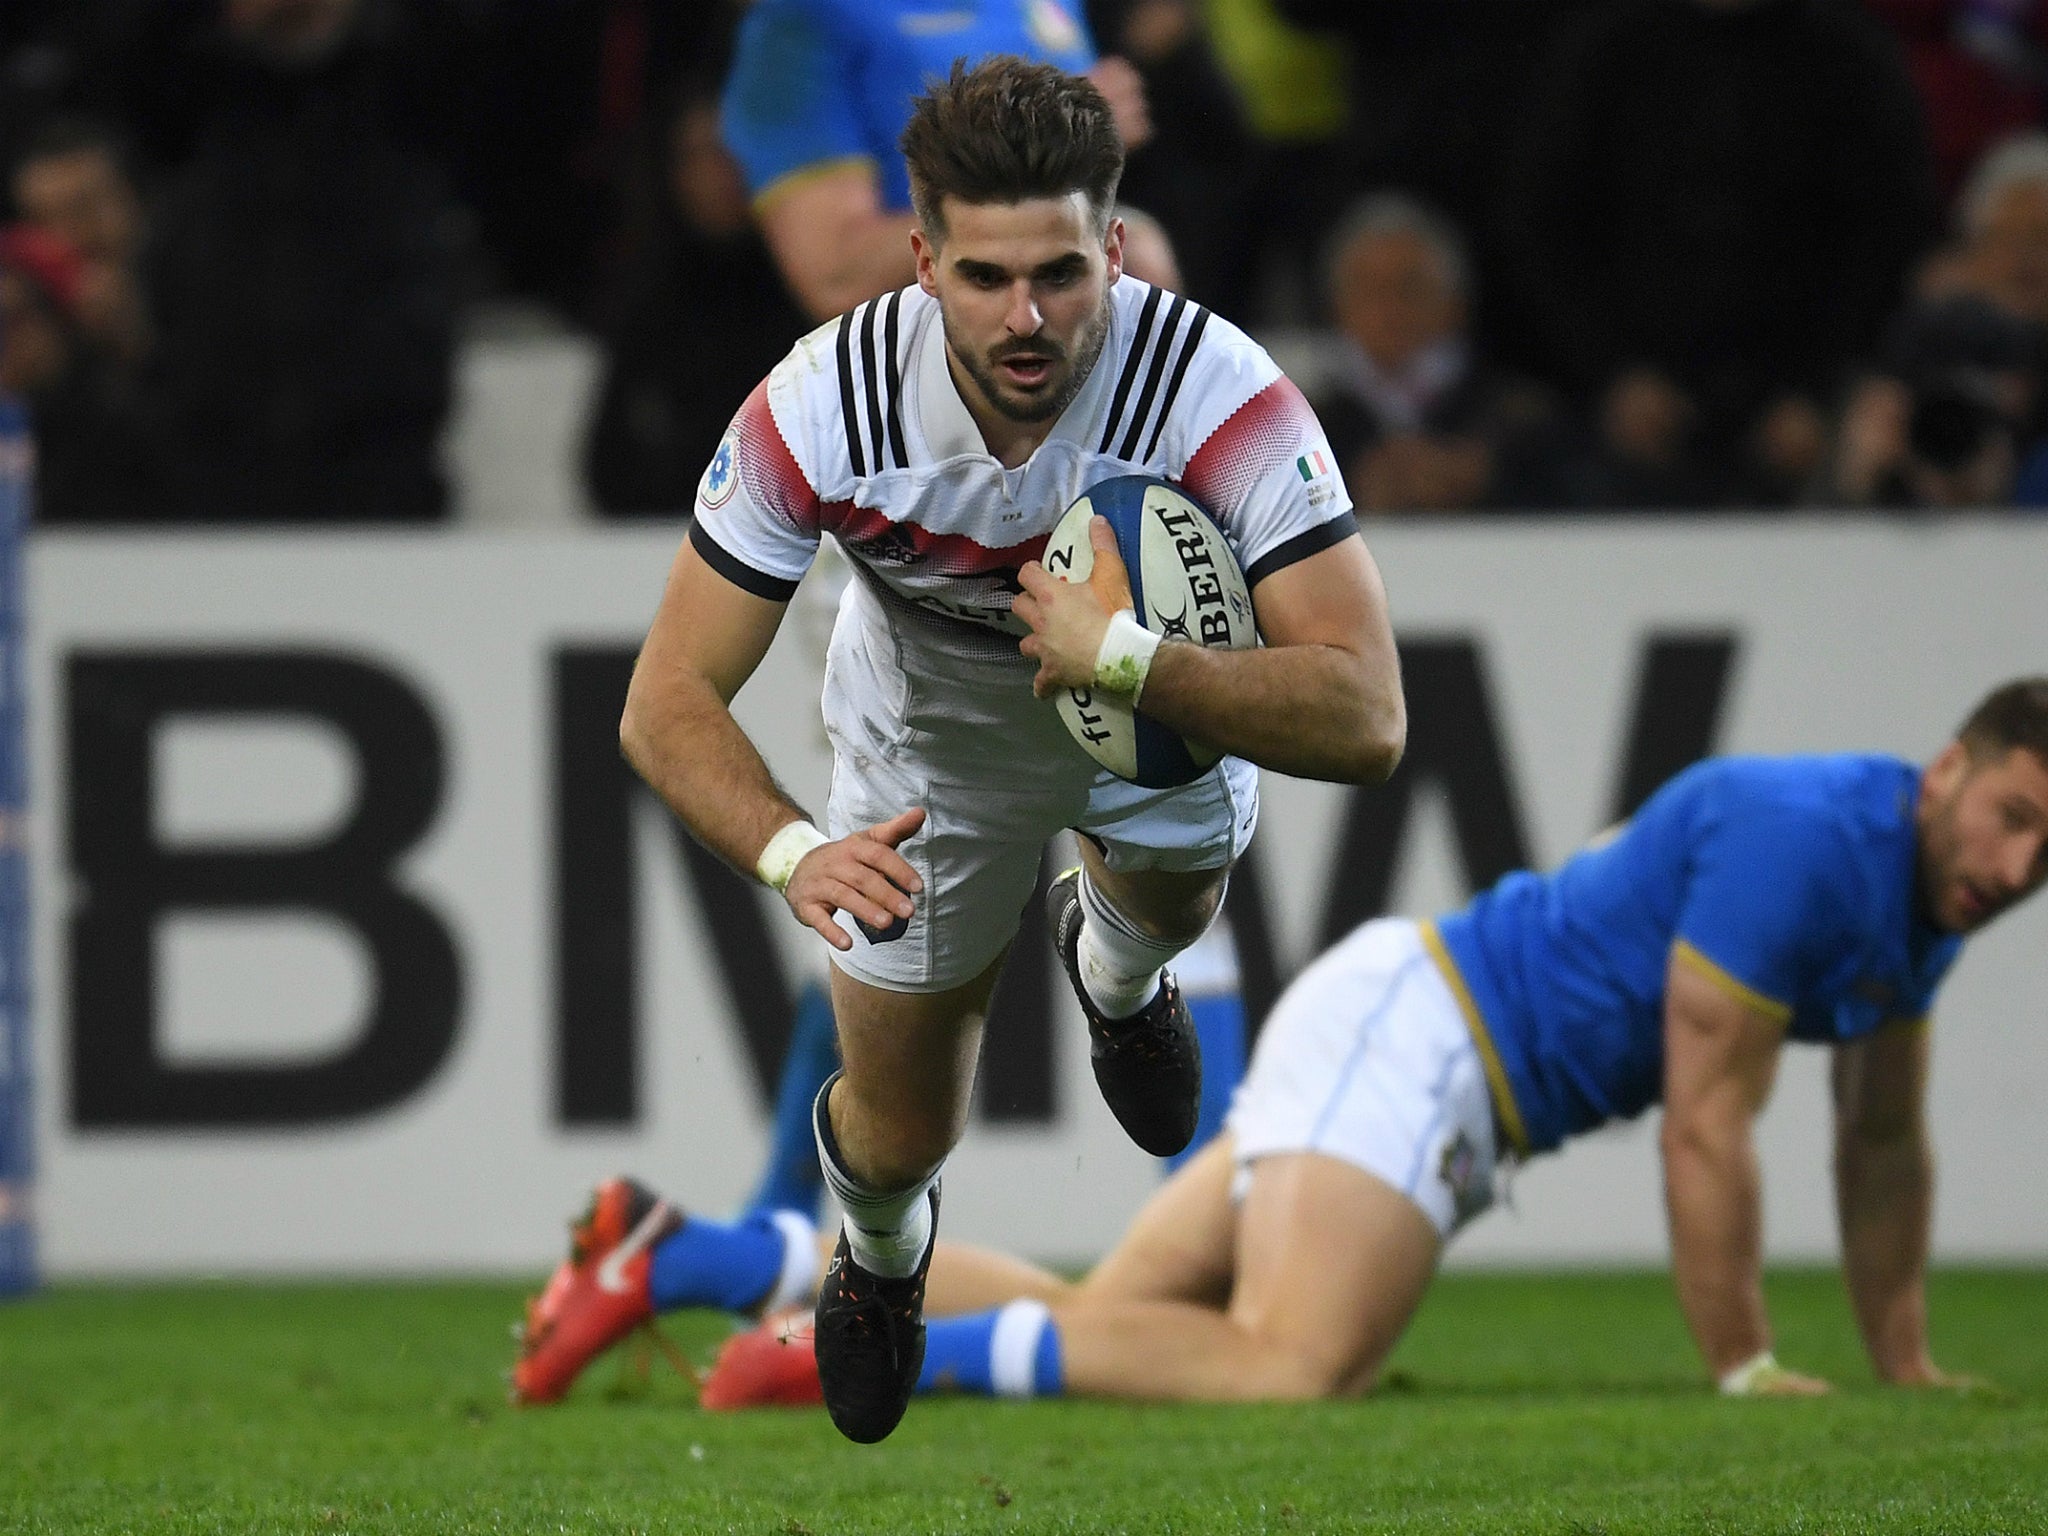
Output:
(1289, 1372)
(1303, 1378)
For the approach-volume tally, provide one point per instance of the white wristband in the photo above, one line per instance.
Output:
(785, 850)
(1743, 1379)
(1126, 655)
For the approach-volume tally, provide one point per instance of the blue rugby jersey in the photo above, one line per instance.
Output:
(819, 81)
(1788, 881)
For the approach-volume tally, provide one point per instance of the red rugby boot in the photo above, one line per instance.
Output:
(598, 1295)
(772, 1365)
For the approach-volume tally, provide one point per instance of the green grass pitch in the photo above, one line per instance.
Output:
(1566, 1404)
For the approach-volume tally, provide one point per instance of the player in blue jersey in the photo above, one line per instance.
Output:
(818, 95)
(1750, 901)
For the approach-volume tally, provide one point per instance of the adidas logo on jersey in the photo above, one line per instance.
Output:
(894, 545)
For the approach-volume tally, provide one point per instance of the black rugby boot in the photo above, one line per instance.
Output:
(1148, 1066)
(870, 1340)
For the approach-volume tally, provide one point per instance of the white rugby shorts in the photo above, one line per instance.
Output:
(998, 776)
(1366, 1057)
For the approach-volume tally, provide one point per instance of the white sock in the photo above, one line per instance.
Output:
(798, 1281)
(892, 1250)
(1013, 1347)
(1120, 967)
(887, 1230)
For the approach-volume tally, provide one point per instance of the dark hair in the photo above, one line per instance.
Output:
(2014, 714)
(1009, 130)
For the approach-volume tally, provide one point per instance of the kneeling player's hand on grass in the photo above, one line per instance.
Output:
(1926, 1375)
(1764, 1377)
(1780, 1382)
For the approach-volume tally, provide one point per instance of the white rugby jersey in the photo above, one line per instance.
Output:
(861, 433)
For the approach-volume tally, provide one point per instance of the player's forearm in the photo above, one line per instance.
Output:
(1884, 1194)
(1313, 711)
(683, 740)
(1714, 1198)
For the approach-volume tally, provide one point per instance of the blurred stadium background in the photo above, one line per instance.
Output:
(371, 348)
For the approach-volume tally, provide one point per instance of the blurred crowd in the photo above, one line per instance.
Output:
(1579, 254)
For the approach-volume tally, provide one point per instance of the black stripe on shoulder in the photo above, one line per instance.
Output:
(1180, 371)
(1339, 528)
(1130, 373)
(1152, 377)
(871, 370)
(848, 411)
(895, 384)
(737, 571)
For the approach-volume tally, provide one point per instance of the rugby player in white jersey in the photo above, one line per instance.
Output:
(938, 433)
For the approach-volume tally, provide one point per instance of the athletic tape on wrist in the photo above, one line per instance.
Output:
(1126, 655)
(1743, 1379)
(785, 849)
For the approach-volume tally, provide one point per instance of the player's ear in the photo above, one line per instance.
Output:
(926, 251)
(1941, 777)
(1113, 247)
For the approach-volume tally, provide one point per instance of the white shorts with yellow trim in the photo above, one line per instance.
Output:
(1367, 1058)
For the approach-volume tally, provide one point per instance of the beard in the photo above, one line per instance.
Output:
(1940, 878)
(1060, 388)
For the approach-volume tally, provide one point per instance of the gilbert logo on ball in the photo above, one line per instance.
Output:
(1185, 585)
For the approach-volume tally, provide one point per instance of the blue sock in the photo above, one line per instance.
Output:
(791, 1181)
(1219, 1025)
(1013, 1351)
(713, 1264)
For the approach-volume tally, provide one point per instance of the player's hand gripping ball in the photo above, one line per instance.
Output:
(1185, 585)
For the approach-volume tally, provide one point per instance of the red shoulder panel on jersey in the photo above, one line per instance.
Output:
(1263, 433)
(768, 469)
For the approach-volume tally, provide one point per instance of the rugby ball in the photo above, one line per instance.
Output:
(1185, 585)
